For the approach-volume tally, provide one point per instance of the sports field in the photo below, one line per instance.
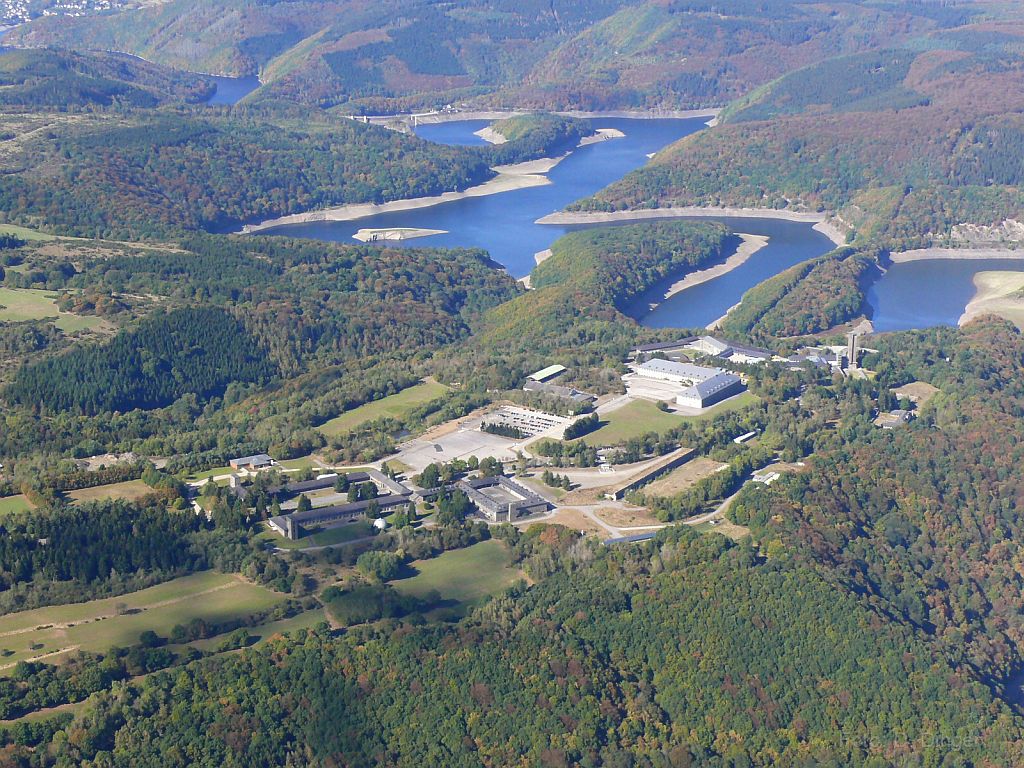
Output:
(129, 490)
(20, 304)
(100, 624)
(395, 406)
(465, 576)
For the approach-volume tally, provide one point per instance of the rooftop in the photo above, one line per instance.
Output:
(695, 373)
(547, 373)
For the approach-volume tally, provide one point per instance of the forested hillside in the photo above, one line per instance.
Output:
(403, 54)
(922, 522)
(687, 652)
(66, 79)
(903, 144)
(339, 324)
(145, 175)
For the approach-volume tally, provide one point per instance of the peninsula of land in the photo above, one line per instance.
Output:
(749, 245)
(395, 233)
(832, 230)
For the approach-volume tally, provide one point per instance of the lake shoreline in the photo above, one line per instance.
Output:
(820, 221)
(963, 254)
(509, 179)
(749, 245)
(995, 295)
(483, 114)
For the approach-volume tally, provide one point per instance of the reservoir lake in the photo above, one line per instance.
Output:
(915, 294)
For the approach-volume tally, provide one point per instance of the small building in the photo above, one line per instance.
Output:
(664, 347)
(501, 499)
(709, 345)
(652, 472)
(729, 350)
(556, 390)
(710, 391)
(546, 374)
(252, 463)
(893, 419)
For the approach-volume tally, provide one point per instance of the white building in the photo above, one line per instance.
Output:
(710, 391)
(686, 374)
(701, 386)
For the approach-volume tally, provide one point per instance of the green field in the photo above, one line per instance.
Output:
(19, 304)
(97, 625)
(396, 406)
(465, 576)
(208, 473)
(12, 504)
(642, 416)
(130, 490)
(24, 233)
(636, 418)
(327, 538)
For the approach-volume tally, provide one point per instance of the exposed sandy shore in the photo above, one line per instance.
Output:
(509, 178)
(749, 245)
(451, 117)
(602, 134)
(398, 233)
(924, 254)
(821, 224)
(491, 136)
(994, 296)
(541, 256)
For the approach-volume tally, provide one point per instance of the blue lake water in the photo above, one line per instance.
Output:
(911, 295)
(231, 90)
(920, 294)
(503, 224)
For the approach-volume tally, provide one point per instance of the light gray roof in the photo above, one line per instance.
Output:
(695, 373)
(259, 458)
(707, 388)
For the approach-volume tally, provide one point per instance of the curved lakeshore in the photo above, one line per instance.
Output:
(822, 223)
(997, 293)
(749, 245)
(509, 178)
(958, 254)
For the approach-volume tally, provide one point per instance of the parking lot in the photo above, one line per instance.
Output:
(531, 423)
(468, 440)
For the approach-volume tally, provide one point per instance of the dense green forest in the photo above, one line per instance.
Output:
(341, 325)
(185, 351)
(405, 54)
(926, 140)
(66, 80)
(150, 174)
(921, 521)
(689, 651)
